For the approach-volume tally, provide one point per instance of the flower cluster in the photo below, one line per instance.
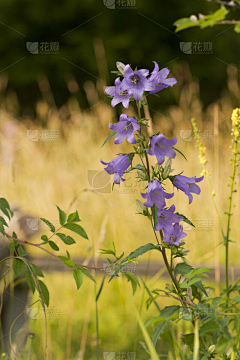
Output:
(134, 86)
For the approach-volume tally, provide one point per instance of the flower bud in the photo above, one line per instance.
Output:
(140, 205)
(211, 348)
(142, 175)
(182, 280)
(120, 66)
(189, 292)
(201, 16)
(157, 169)
(167, 168)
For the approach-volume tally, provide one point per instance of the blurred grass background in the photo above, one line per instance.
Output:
(64, 93)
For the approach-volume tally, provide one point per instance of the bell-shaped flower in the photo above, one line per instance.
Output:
(119, 93)
(159, 79)
(173, 237)
(125, 129)
(166, 218)
(187, 185)
(156, 195)
(161, 147)
(117, 167)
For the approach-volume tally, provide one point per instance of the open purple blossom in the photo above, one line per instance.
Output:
(166, 218)
(161, 147)
(159, 79)
(136, 82)
(187, 185)
(125, 129)
(120, 93)
(156, 195)
(173, 237)
(117, 167)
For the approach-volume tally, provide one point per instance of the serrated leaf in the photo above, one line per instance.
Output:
(4, 206)
(158, 330)
(53, 245)
(169, 312)
(135, 254)
(86, 272)
(44, 292)
(37, 270)
(74, 217)
(182, 269)
(30, 280)
(78, 277)
(50, 225)
(134, 280)
(18, 266)
(109, 137)
(3, 221)
(68, 240)
(77, 229)
(62, 216)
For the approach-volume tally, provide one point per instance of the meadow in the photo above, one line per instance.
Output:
(38, 172)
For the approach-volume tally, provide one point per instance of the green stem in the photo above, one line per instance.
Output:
(229, 210)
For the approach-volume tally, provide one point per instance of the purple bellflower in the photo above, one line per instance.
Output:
(187, 185)
(166, 218)
(159, 79)
(156, 195)
(120, 93)
(117, 166)
(174, 237)
(161, 147)
(136, 82)
(125, 129)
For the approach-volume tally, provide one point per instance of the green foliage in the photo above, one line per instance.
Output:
(133, 279)
(77, 229)
(78, 277)
(109, 137)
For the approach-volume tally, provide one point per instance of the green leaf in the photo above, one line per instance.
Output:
(237, 28)
(69, 262)
(3, 221)
(18, 266)
(62, 216)
(21, 252)
(37, 270)
(4, 206)
(77, 229)
(53, 245)
(196, 271)
(44, 293)
(30, 280)
(109, 137)
(74, 217)
(154, 215)
(134, 280)
(86, 272)
(137, 167)
(44, 238)
(170, 312)
(135, 254)
(158, 330)
(68, 240)
(209, 327)
(78, 277)
(50, 225)
(185, 285)
(185, 219)
(101, 287)
(184, 23)
(2, 229)
(200, 286)
(188, 339)
(179, 152)
(182, 268)
(237, 299)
